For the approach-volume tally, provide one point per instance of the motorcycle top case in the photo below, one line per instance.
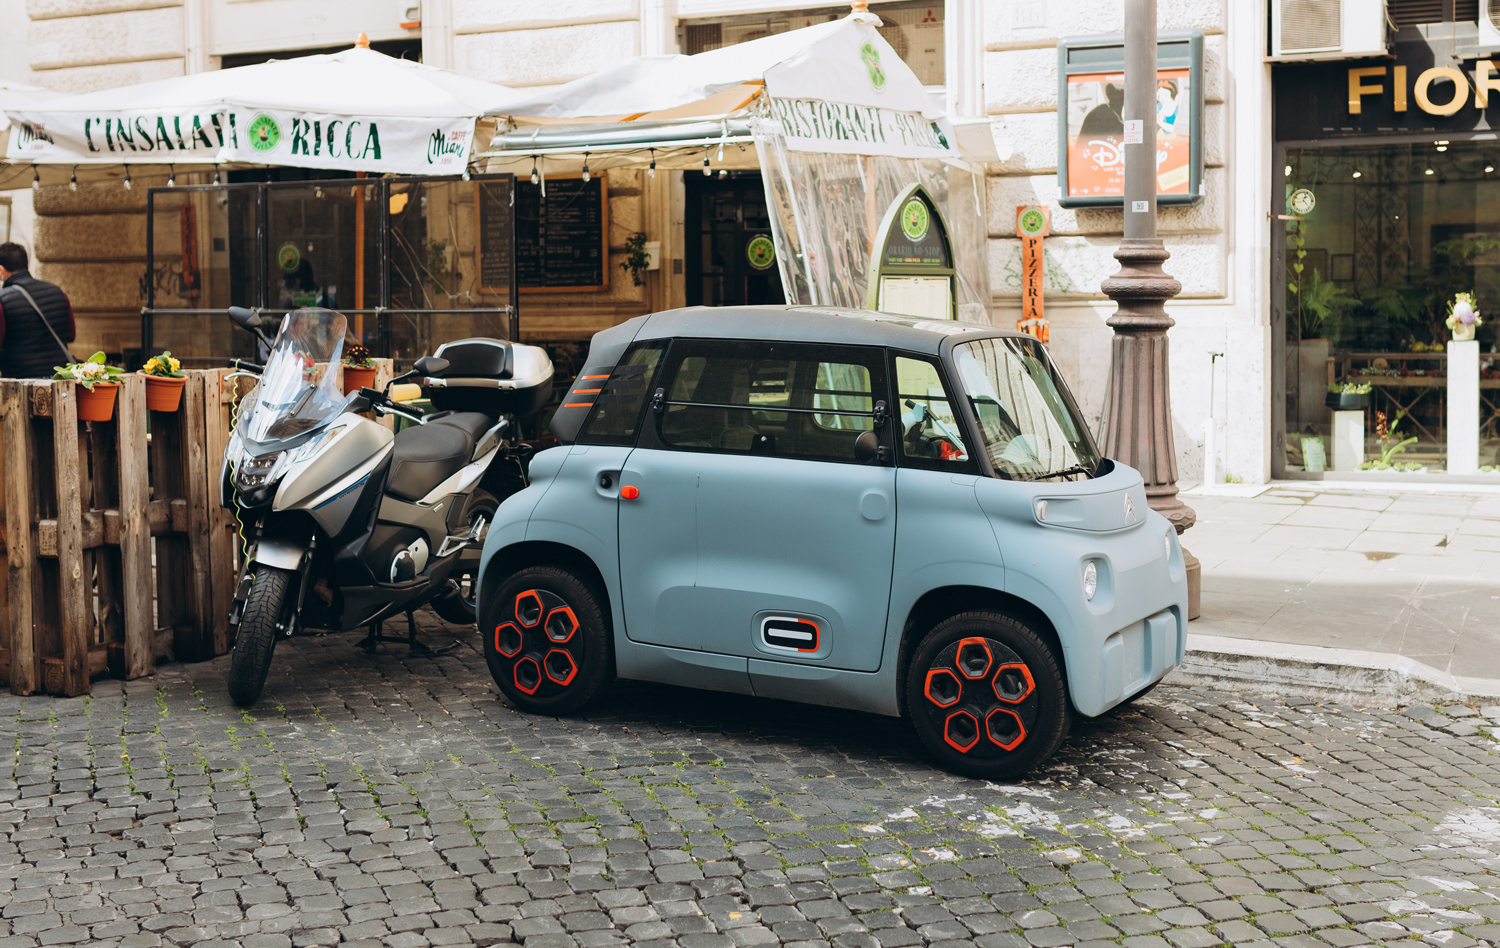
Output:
(490, 376)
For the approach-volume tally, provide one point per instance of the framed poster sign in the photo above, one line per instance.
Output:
(1091, 124)
(562, 237)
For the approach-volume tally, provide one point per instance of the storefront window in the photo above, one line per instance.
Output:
(1394, 233)
(914, 30)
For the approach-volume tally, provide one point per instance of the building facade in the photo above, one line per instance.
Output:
(1237, 368)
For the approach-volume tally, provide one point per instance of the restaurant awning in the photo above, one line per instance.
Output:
(357, 110)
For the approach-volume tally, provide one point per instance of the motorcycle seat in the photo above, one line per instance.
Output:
(423, 456)
(472, 423)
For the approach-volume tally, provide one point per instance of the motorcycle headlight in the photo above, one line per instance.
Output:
(251, 473)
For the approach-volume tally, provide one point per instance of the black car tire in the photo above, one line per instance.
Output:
(525, 627)
(268, 608)
(992, 722)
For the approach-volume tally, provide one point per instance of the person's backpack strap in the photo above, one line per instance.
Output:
(39, 315)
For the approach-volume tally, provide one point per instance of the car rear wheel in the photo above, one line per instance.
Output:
(547, 640)
(987, 696)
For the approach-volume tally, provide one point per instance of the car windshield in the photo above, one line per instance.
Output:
(299, 388)
(1030, 426)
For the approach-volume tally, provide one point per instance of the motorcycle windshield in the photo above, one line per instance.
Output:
(299, 388)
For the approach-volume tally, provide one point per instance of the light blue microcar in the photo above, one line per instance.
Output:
(837, 507)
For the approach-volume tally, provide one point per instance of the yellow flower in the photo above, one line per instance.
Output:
(175, 364)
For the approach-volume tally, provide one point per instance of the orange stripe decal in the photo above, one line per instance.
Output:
(587, 377)
(579, 405)
(585, 391)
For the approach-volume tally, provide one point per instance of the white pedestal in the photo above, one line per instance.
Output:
(1463, 407)
(1348, 440)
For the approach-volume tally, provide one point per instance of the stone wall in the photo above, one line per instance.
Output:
(85, 45)
(517, 43)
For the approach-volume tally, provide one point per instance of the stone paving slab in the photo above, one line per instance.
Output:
(391, 801)
(1392, 571)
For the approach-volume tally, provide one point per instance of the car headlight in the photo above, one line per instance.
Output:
(1090, 580)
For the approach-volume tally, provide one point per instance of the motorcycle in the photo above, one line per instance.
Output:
(345, 523)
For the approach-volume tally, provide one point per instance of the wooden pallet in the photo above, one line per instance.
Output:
(82, 503)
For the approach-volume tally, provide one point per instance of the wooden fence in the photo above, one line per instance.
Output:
(117, 553)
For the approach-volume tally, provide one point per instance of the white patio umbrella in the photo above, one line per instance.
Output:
(357, 110)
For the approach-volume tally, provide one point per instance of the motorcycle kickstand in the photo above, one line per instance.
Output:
(422, 648)
(373, 637)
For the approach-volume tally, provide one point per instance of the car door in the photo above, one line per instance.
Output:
(794, 537)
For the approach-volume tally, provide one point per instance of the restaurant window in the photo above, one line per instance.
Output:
(1397, 231)
(1420, 12)
(914, 30)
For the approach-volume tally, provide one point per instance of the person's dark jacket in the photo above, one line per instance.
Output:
(27, 349)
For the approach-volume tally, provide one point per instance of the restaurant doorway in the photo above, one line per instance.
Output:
(730, 257)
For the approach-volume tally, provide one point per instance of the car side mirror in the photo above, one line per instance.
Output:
(244, 318)
(867, 448)
(430, 365)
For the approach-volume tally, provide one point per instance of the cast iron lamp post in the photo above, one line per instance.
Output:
(1138, 410)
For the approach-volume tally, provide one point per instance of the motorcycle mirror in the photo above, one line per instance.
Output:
(430, 365)
(244, 318)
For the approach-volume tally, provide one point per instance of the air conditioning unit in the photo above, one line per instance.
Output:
(1328, 29)
(1489, 22)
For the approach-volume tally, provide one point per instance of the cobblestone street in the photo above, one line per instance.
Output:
(393, 801)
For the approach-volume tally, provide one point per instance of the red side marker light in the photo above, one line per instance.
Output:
(629, 492)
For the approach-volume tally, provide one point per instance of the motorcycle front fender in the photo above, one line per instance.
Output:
(280, 553)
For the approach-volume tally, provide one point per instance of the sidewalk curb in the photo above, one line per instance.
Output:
(1329, 674)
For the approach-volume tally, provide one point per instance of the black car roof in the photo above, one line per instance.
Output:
(825, 324)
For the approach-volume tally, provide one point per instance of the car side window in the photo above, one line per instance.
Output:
(785, 400)
(620, 396)
(931, 435)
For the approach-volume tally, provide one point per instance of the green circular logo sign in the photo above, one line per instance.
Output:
(915, 219)
(264, 133)
(288, 256)
(761, 252)
(871, 57)
(1033, 222)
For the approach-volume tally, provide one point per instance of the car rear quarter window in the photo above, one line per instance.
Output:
(786, 400)
(620, 397)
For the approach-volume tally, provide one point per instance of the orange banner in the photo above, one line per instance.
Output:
(1032, 224)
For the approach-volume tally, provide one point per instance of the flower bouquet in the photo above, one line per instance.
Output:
(1463, 317)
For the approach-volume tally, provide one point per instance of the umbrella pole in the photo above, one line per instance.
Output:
(359, 258)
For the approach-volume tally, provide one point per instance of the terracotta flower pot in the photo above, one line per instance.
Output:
(163, 393)
(99, 404)
(356, 379)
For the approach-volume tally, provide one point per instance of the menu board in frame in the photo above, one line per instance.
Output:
(494, 223)
(562, 239)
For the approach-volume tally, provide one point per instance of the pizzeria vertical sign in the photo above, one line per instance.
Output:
(1032, 224)
(1091, 122)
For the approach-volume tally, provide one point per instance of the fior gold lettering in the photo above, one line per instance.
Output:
(1358, 87)
(1399, 88)
(1460, 90)
(1484, 81)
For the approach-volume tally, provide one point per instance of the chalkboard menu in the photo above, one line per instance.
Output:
(494, 221)
(562, 240)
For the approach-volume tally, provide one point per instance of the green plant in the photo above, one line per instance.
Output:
(1324, 307)
(163, 366)
(1389, 445)
(89, 372)
(1349, 388)
(636, 258)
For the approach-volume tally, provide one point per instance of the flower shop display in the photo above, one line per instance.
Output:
(1463, 317)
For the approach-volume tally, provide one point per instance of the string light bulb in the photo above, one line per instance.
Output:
(216, 174)
(73, 179)
(465, 175)
(534, 176)
(171, 176)
(706, 170)
(128, 183)
(651, 169)
(36, 179)
(585, 167)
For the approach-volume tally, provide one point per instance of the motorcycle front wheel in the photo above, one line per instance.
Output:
(268, 609)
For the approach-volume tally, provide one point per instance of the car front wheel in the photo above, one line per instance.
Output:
(547, 640)
(987, 696)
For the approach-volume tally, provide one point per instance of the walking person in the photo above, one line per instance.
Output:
(36, 320)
